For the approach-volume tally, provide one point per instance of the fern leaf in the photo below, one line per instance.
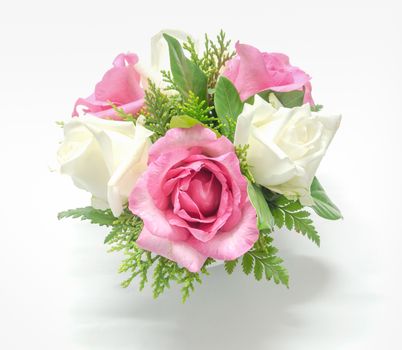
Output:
(230, 265)
(247, 263)
(95, 216)
(291, 214)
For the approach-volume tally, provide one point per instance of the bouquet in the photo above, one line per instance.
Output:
(201, 162)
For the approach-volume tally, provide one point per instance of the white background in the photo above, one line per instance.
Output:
(58, 286)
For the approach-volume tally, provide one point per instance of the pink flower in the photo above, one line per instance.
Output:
(193, 200)
(120, 85)
(252, 71)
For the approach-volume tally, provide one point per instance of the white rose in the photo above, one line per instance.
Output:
(160, 58)
(286, 145)
(104, 157)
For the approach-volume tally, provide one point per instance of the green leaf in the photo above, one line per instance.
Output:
(95, 216)
(291, 99)
(186, 74)
(257, 199)
(250, 100)
(160, 109)
(230, 265)
(291, 214)
(247, 263)
(227, 99)
(110, 236)
(279, 217)
(265, 262)
(183, 121)
(258, 270)
(214, 56)
(228, 105)
(316, 108)
(288, 99)
(323, 206)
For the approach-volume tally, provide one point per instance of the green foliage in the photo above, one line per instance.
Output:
(122, 114)
(183, 121)
(288, 99)
(95, 216)
(323, 206)
(257, 199)
(160, 109)
(186, 75)
(139, 262)
(228, 106)
(265, 263)
(291, 214)
(241, 152)
(250, 100)
(168, 79)
(193, 111)
(262, 260)
(215, 55)
(126, 228)
(316, 108)
(247, 263)
(230, 265)
(167, 270)
(196, 108)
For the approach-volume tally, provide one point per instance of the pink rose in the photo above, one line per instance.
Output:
(120, 85)
(252, 71)
(193, 200)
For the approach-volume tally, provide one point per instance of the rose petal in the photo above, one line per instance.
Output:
(253, 71)
(127, 173)
(308, 98)
(142, 204)
(157, 172)
(180, 251)
(231, 244)
(178, 138)
(120, 85)
(129, 108)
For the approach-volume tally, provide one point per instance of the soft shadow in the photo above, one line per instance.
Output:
(225, 312)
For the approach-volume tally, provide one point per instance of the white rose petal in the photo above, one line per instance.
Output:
(159, 48)
(286, 145)
(160, 59)
(126, 175)
(95, 151)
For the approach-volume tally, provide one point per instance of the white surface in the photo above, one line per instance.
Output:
(59, 288)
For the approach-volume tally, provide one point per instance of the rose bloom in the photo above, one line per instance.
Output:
(105, 158)
(121, 85)
(252, 71)
(286, 145)
(193, 200)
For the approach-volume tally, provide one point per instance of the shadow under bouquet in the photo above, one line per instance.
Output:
(201, 162)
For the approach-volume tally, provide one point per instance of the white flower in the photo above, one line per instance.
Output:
(160, 58)
(286, 145)
(104, 157)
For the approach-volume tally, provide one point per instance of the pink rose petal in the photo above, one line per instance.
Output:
(180, 251)
(252, 72)
(230, 245)
(141, 203)
(120, 85)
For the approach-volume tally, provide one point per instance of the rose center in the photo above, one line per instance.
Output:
(205, 191)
